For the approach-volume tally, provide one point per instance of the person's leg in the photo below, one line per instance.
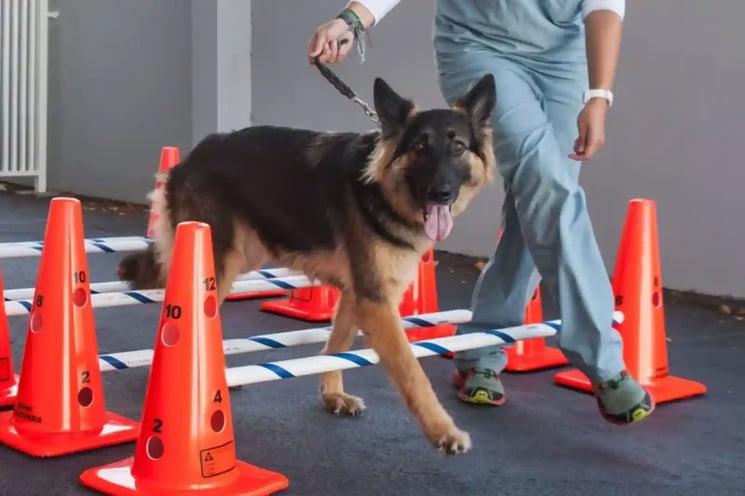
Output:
(571, 261)
(508, 279)
(550, 209)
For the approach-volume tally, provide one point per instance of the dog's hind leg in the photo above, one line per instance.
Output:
(245, 253)
(382, 327)
(196, 201)
(226, 270)
(344, 330)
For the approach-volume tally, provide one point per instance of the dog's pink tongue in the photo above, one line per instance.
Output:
(439, 222)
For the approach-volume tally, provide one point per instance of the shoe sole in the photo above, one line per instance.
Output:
(637, 415)
(480, 398)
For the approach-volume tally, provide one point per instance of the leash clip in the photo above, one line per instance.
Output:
(366, 108)
(345, 90)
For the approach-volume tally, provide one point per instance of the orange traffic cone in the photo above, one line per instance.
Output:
(637, 285)
(533, 354)
(8, 377)
(421, 297)
(186, 444)
(169, 157)
(60, 405)
(314, 304)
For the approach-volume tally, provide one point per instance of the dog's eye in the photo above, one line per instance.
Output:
(459, 147)
(419, 146)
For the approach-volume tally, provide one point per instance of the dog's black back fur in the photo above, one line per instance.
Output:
(262, 174)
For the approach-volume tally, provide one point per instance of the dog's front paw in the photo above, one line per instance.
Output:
(452, 442)
(343, 404)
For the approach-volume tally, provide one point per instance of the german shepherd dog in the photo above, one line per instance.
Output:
(354, 210)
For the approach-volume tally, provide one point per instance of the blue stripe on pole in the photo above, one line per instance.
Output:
(356, 359)
(419, 322)
(266, 273)
(281, 284)
(553, 325)
(281, 372)
(113, 362)
(139, 297)
(432, 347)
(103, 247)
(504, 337)
(26, 304)
(267, 342)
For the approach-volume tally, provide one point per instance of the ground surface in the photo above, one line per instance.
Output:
(546, 441)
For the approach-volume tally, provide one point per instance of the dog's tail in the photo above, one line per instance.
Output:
(141, 270)
(145, 269)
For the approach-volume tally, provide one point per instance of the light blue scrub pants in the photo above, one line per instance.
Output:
(545, 222)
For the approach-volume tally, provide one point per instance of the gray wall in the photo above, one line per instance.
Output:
(119, 89)
(673, 135)
(128, 77)
(220, 65)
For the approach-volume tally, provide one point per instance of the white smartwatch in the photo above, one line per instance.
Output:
(599, 93)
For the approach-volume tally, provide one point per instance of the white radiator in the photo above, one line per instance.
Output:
(23, 90)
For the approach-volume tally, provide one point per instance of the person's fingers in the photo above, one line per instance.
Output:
(316, 44)
(591, 140)
(580, 142)
(345, 45)
(326, 42)
(595, 141)
(326, 54)
(332, 47)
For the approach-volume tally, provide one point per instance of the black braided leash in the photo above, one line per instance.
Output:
(345, 90)
(360, 36)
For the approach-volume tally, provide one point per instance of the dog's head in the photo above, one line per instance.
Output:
(431, 163)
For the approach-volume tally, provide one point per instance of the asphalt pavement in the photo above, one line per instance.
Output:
(546, 441)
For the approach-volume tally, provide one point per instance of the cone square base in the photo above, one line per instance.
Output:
(8, 395)
(256, 295)
(287, 308)
(116, 479)
(663, 390)
(546, 358)
(116, 430)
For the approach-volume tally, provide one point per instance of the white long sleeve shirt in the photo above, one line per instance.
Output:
(380, 8)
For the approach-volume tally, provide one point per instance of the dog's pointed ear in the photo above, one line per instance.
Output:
(478, 103)
(392, 109)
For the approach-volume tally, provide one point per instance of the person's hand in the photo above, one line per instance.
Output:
(330, 42)
(591, 127)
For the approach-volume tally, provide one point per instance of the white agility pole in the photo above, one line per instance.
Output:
(23, 307)
(277, 340)
(287, 369)
(92, 245)
(121, 286)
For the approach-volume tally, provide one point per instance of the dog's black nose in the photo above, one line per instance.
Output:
(440, 194)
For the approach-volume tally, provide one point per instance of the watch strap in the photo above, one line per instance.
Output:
(599, 93)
